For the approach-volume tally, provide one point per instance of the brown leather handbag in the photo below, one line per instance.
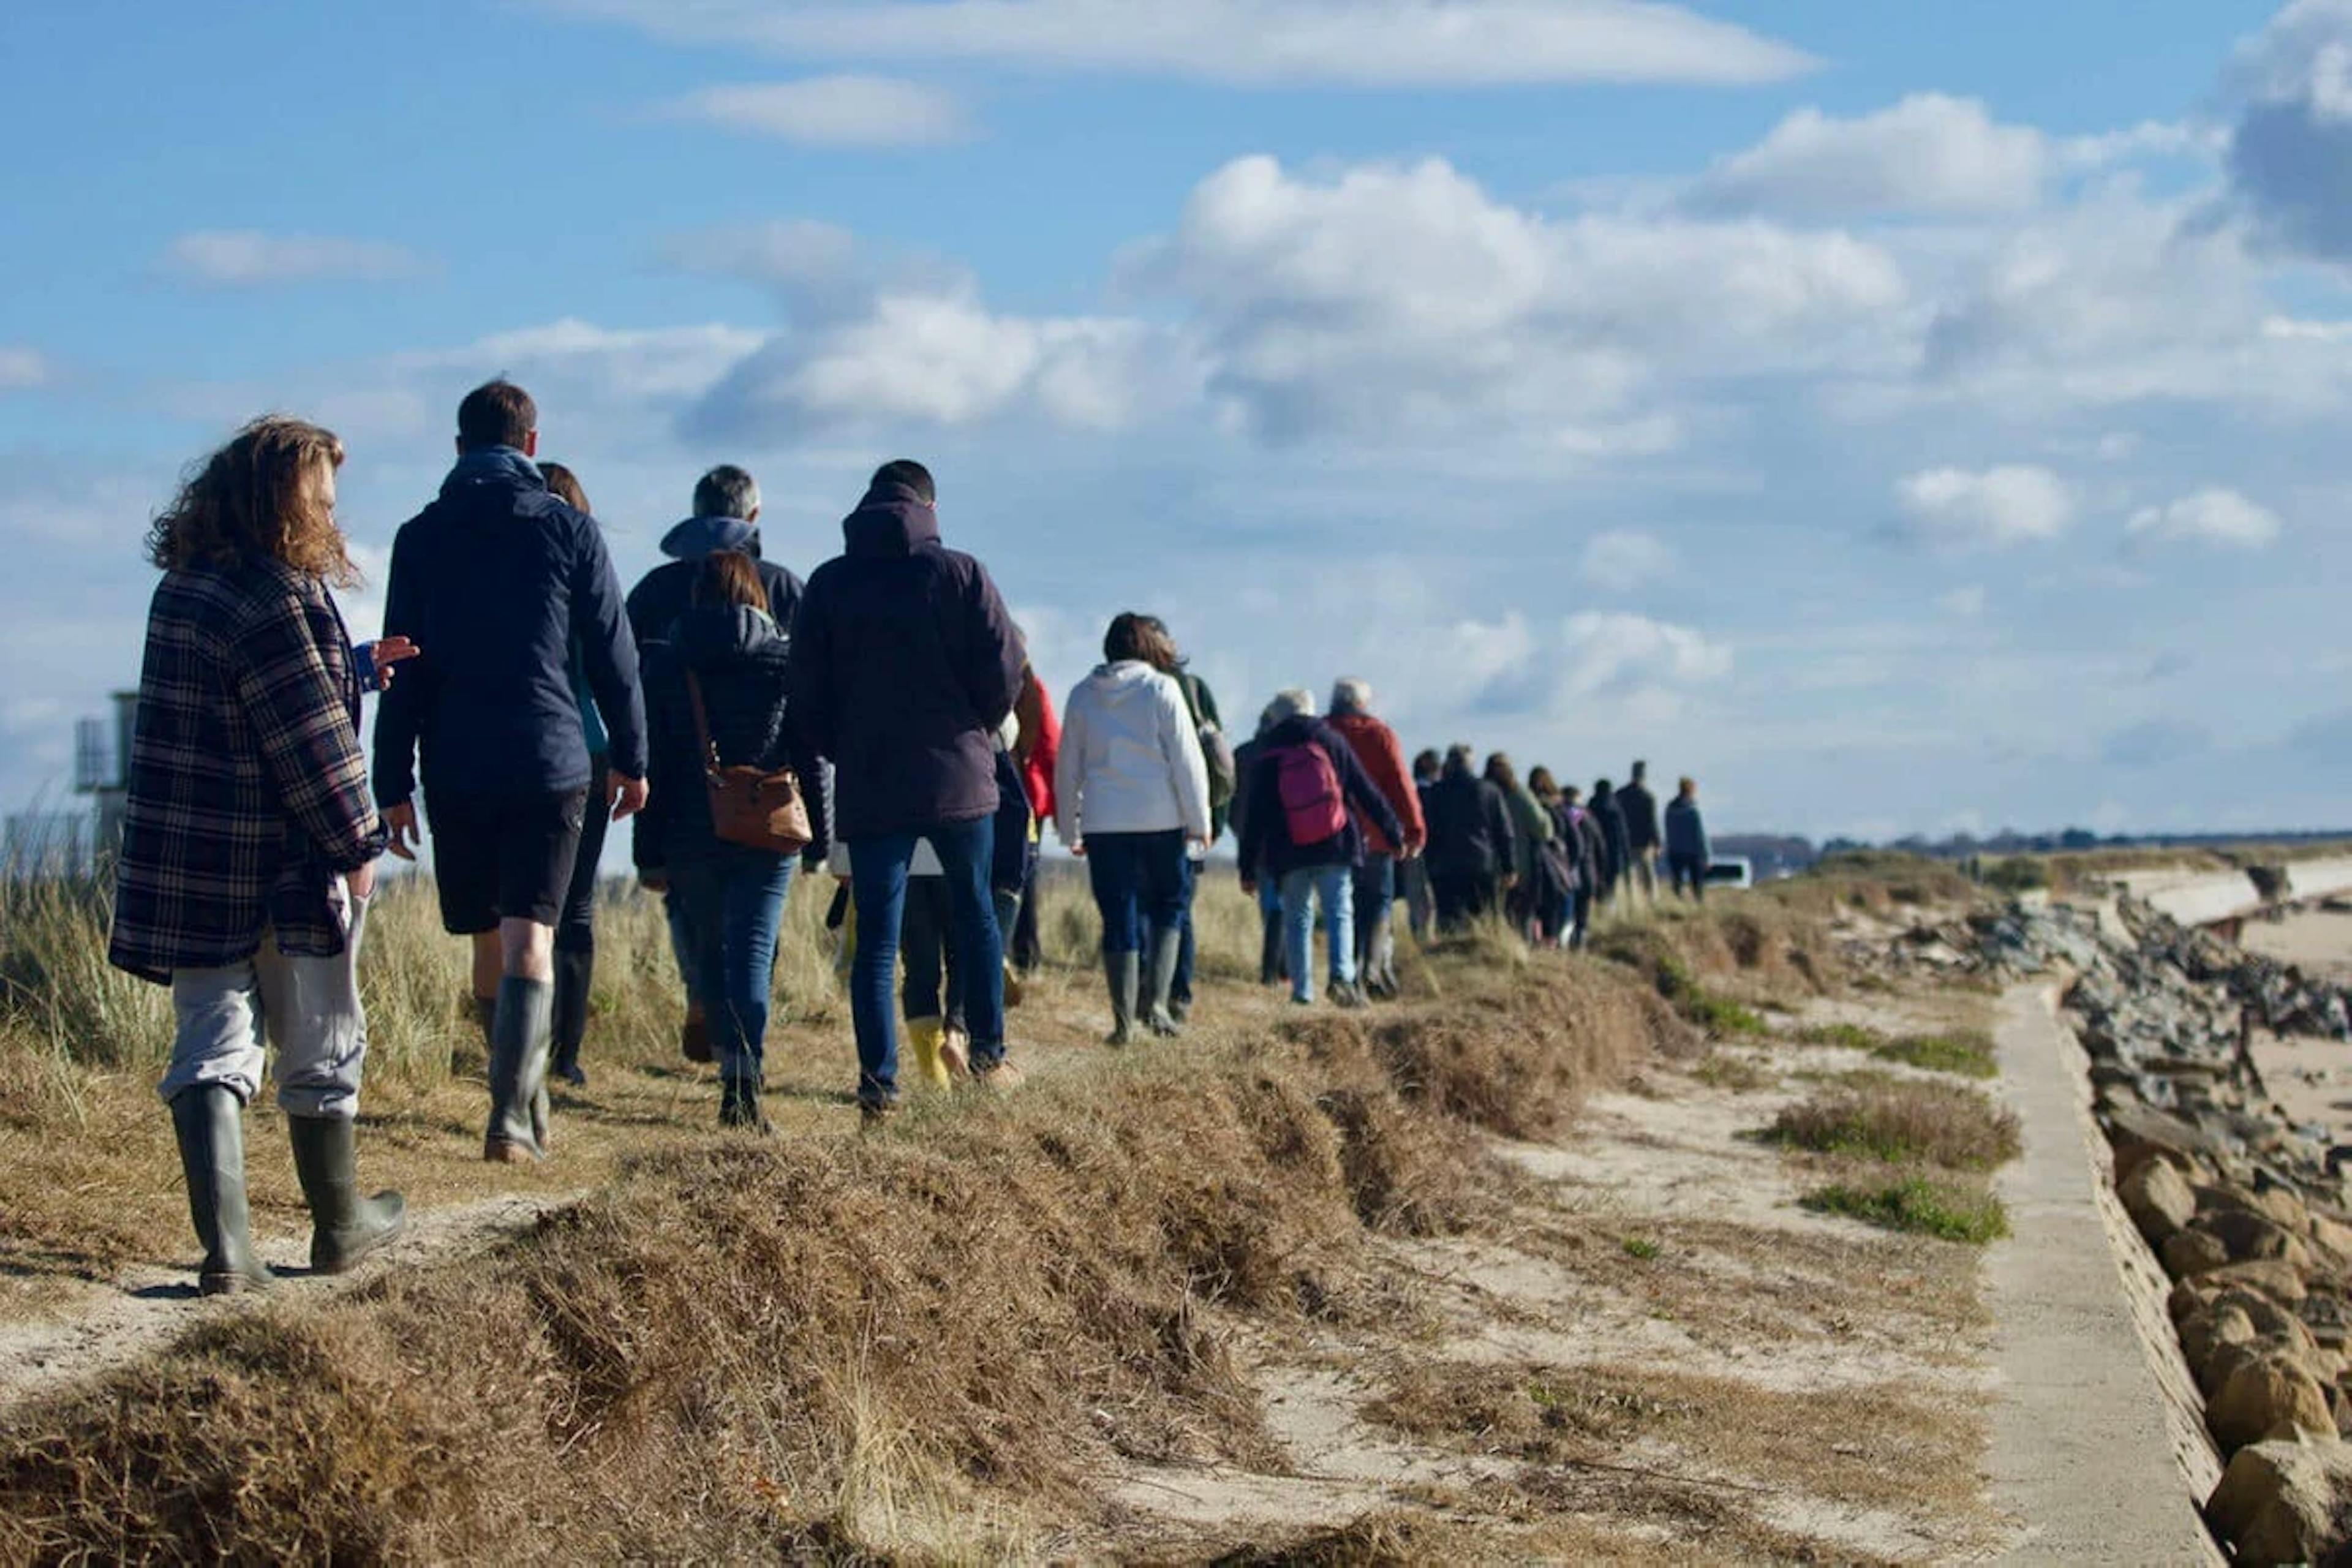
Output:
(750, 807)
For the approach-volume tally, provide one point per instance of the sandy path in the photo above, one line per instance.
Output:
(108, 1325)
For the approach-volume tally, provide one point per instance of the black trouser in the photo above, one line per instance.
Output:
(576, 929)
(1026, 951)
(928, 947)
(1583, 915)
(1691, 868)
(1461, 898)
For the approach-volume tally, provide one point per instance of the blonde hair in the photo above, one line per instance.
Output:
(255, 498)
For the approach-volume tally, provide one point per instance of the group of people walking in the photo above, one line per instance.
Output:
(881, 719)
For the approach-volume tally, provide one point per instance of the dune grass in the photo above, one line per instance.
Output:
(1895, 1120)
(1920, 1204)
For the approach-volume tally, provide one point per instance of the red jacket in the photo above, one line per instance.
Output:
(1038, 745)
(1377, 747)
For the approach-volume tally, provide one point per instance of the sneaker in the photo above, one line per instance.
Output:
(1347, 994)
(1002, 1078)
(1298, 1001)
(873, 1114)
(571, 1073)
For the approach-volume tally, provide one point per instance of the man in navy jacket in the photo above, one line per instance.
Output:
(905, 665)
(494, 579)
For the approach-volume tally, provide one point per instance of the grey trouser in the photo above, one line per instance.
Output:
(306, 1007)
(1644, 874)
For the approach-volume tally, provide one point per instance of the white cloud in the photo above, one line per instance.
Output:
(2148, 139)
(2211, 516)
(1995, 507)
(1403, 298)
(1624, 559)
(23, 369)
(1365, 43)
(832, 111)
(247, 259)
(943, 359)
(2290, 155)
(1966, 603)
(1609, 654)
(1929, 153)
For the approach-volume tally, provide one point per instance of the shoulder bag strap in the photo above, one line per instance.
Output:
(701, 723)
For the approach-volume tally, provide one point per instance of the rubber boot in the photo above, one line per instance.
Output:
(1167, 952)
(1272, 970)
(575, 975)
(209, 1120)
(518, 1070)
(1123, 971)
(923, 1038)
(485, 1018)
(738, 1105)
(344, 1226)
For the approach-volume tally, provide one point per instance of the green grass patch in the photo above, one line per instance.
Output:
(1721, 1017)
(1848, 1036)
(1969, 1053)
(1918, 1206)
(1642, 1247)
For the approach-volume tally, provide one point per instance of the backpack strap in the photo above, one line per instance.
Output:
(701, 723)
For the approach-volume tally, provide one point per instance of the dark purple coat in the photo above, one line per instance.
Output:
(905, 662)
(1265, 846)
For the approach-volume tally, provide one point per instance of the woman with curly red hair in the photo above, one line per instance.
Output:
(250, 840)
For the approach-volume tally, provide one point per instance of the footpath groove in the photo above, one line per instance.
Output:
(2083, 1440)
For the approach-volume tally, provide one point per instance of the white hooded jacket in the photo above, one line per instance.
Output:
(1130, 759)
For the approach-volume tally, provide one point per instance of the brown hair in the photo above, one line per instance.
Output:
(255, 497)
(1542, 785)
(729, 577)
(564, 486)
(1499, 774)
(1140, 638)
(495, 414)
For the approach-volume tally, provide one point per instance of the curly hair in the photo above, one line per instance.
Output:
(254, 497)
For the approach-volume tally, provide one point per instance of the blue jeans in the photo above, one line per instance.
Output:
(729, 910)
(1335, 886)
(878, 882)
(1142, 884)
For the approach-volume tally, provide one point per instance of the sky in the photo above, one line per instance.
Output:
(1902, 418)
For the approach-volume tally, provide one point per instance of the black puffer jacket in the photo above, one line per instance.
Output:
(905, 662)
(1470, 831)
(742, 661)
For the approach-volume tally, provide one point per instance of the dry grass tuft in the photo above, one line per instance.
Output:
(1901, 1120)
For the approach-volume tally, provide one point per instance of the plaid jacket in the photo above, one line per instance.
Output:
(247, 790)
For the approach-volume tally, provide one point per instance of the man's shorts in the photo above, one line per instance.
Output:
(503, 857)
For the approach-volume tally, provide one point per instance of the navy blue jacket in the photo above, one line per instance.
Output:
(905, 662)
(1639, 807)
(493, 581)
(663, 594)
(742, 661)
(1267, 850)
(1618, 844)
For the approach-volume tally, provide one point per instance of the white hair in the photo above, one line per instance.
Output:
(1350, 695)
(1294, 702)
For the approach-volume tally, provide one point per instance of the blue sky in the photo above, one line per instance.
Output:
(1902, 417)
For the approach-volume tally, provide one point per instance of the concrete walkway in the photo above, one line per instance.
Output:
(2088, 1452)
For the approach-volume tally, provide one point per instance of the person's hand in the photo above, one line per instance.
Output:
(628, 797)
(361, 883)
(1249, 886)
(653, 879)
(1079, 849)
(384, 653)
(400, 823)
(1197, 844)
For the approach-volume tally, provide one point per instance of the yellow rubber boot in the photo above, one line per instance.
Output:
(924, 1035)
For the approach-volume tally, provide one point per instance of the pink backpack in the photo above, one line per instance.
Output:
(1312, 805)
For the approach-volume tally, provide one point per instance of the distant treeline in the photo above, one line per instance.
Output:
(1776, 855)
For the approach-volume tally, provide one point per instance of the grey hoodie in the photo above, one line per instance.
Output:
(664, 594)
